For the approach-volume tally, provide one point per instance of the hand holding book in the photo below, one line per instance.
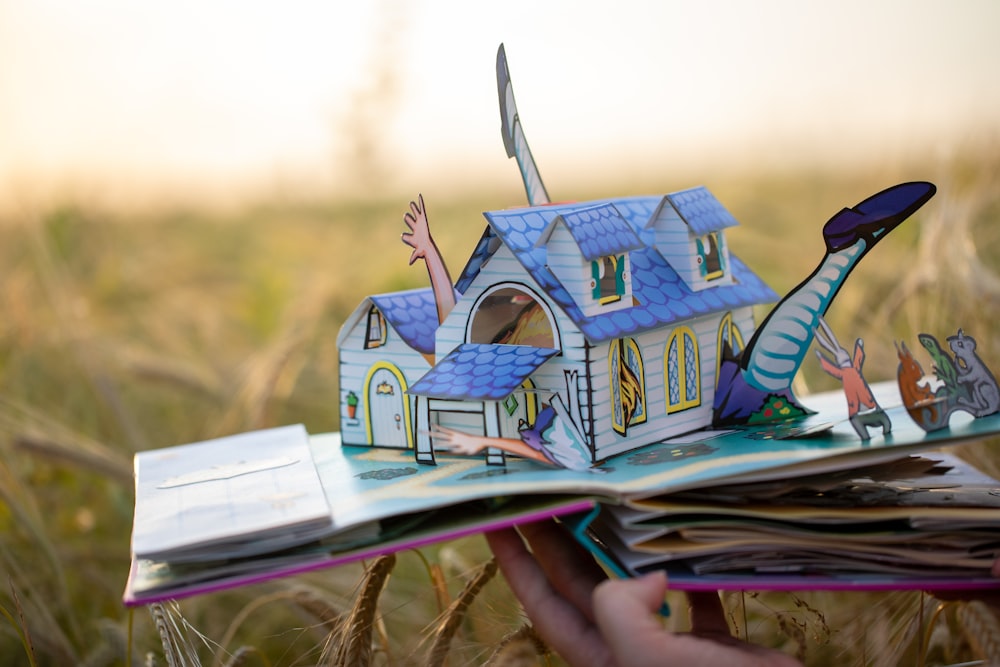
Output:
(589, 619)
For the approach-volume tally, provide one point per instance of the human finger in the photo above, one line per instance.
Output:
(626, 615)
(572, 569)
(558, 621)
(626, 611)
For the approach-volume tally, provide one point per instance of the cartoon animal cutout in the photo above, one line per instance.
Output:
(914, 389)
(983, 395)
(863, 410)
(960, 382)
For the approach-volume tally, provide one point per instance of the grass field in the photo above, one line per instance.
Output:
(126, 331)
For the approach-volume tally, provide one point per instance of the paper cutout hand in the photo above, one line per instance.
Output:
(591, 620)
(419, 236)
(458, 442)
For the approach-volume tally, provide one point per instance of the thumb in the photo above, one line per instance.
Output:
(625, 611)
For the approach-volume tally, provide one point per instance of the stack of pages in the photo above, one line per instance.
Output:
(931, 517)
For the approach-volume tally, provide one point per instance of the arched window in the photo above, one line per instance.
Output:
(682, 370)
(376, 329)
(728, 333)
(513, 316)
(628, 384)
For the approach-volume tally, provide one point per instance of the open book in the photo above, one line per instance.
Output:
(246, 508)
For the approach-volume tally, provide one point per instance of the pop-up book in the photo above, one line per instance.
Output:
(589, 358)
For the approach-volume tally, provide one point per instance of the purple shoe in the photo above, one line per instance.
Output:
(877, 215)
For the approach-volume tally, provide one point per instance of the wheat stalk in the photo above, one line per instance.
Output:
(794, 630)
(111, 649)
(102, 462)
(455, 613)
(982, 630)
(241, 656)
(177, 650)
(37, 608)
(25, 635)
(521, 648)
(317, 605)
(350, 645)
(159, 614)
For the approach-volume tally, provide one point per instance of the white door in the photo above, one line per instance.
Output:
(386, 410)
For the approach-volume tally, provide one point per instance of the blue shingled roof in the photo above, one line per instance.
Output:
(481, 372)
(663, 298)
(413, 315)
(600, 231)
(701, 210)
(487, 245)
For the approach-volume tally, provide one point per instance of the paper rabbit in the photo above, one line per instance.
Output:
(862, 408)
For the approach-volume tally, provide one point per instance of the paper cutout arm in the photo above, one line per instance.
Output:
(828, 366)
(419, 238)
(859, 354)
(467, 444)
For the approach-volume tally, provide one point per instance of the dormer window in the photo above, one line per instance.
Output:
(689, 231)
(608, 278)
(710, 260)
(376, 329)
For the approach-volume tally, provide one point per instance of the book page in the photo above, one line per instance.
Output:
(227, 497)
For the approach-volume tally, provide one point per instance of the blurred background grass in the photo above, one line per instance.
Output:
(123, 332)
(193, 197)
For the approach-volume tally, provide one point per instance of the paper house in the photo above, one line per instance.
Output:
(619, 307)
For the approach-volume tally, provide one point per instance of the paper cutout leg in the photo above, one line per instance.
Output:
(513, 136)
(862, 421)
(774, 354)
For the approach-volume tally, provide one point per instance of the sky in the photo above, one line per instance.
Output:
(186, 98)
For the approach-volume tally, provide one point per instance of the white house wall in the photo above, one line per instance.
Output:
(355, 364)
(562, 256)
(660, 425)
